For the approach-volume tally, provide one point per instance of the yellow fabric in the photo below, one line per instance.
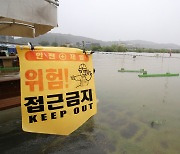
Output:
(57, 89)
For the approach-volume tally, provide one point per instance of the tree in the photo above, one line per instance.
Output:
(54, 44)
(96, 48)
(121, 49)
(44, 43)
(114, 48)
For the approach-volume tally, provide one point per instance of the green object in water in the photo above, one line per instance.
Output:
(158, 75)
(133, 71)
(9, 68)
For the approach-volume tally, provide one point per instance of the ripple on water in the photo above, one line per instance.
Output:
(164, 144)
(116, 124)
(130, 130)
(141, 136)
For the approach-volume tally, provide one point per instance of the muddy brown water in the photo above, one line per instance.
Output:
(127, 106)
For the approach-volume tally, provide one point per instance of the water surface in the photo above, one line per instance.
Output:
(135, 115)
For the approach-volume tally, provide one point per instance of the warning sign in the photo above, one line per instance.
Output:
(57, 89)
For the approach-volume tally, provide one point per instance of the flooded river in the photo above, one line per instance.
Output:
(135, 115)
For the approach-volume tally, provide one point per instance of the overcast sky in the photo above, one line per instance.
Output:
(114, 20)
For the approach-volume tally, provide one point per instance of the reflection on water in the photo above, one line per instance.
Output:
(135, 115)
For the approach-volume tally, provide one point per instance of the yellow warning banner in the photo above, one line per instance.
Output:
(57, 89)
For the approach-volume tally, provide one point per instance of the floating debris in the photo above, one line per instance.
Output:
(157, 122)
